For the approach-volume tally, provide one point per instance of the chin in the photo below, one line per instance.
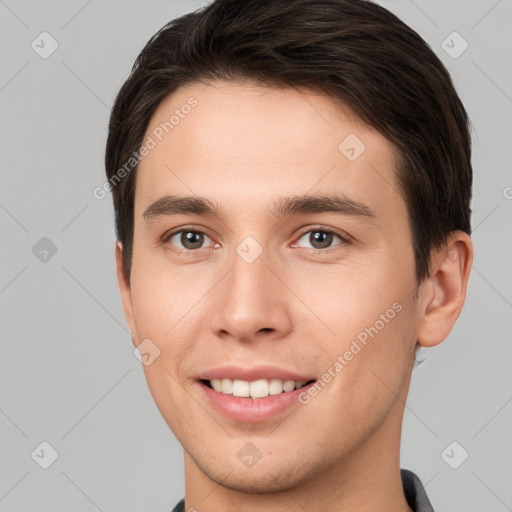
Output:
(263, 478)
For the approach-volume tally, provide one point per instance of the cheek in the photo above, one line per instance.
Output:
(370, 341)
(370, 378)
(162, 297)
(166, 309)
(350, 296)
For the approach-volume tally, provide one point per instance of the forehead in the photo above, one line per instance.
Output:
(237, 143)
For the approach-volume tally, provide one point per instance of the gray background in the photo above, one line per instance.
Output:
(68, 375)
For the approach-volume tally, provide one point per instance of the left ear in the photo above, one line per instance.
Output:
(444, 292)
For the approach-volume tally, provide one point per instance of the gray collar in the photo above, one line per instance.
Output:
(414, 492)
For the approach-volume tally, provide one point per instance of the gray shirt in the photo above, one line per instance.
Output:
(413, 489)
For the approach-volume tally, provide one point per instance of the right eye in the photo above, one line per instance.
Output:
(190, 239)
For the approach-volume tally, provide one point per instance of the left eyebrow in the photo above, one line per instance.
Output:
(295, 205)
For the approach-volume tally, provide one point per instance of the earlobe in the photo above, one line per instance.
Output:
(125, 290)
(444, 292)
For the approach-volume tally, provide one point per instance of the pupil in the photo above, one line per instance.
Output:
(321, 237)
(188, 237)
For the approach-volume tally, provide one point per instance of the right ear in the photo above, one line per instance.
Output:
(126, 293)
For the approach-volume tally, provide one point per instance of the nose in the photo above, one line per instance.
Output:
(251, 302)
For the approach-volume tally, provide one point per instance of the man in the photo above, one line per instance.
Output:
(291, 183)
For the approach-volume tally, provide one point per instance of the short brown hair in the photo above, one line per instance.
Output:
(352, 50)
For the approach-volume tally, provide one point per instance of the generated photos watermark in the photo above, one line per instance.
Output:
(354, 349)
(150, 143)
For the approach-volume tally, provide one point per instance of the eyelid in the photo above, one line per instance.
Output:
(319, 227)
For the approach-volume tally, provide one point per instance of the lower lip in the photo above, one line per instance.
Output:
(251, 410)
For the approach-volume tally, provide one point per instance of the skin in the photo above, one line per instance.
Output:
(297, 306)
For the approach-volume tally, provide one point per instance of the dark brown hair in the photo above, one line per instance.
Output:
(352, 50)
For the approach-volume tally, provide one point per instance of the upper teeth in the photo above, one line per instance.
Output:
(256, 389)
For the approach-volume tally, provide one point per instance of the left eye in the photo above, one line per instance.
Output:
(321, 238)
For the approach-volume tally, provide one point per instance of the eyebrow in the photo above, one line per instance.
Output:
(296, 205)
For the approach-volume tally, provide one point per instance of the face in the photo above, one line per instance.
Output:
(273, 276)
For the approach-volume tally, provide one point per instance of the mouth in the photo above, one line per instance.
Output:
(251, 409)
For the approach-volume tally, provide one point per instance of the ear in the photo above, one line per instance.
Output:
(444, 292)
(126, 293)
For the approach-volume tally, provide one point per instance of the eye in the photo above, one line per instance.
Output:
(322, 238)
(193, 239)
(190, 239)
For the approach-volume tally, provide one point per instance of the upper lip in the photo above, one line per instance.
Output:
(251, 374)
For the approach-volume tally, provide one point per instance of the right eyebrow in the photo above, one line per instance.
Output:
(179, 205)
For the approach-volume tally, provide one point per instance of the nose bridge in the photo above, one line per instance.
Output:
(248, 281)
(249, 300)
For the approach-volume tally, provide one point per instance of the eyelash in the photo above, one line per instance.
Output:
(343, 237)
